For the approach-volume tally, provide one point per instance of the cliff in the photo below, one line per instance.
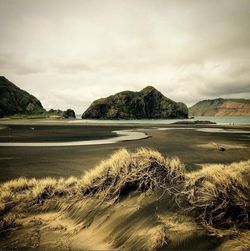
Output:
(221, 107)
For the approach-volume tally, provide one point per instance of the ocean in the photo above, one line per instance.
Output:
(220, 120)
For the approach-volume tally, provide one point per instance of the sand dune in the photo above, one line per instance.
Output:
(133, 200)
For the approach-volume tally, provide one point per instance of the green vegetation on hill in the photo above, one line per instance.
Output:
(14, 100)
(16, 103)
(239, 100)
(56, 114)
(149, 103)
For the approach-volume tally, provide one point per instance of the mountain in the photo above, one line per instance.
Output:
(148, 103)
(14, 100)
(221, 107)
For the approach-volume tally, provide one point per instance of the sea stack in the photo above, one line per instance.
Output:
(148, 103)
(69, 114)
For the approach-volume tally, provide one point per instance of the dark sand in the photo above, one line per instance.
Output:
(139, 220)
(192, 147)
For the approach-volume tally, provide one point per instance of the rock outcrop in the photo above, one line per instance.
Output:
(221, 107)
(148, 103)
(69, 114)
(14, 100)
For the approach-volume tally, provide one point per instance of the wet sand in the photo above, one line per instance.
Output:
(193, 147)
(58, 214)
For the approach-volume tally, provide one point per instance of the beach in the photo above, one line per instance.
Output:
(123, 185)
(193, 146)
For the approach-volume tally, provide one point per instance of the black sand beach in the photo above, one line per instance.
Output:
(191, 146)
(134, 199)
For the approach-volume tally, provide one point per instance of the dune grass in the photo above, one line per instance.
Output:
(220, 194)
(130, 198)
(142, 170)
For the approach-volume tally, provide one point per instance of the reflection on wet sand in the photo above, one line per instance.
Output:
(123, 135)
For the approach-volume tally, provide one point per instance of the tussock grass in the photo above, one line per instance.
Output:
(219, 194)
(242, 242)
(23, 194)
(7, 223)
(124, 172)
(158, 237)
(143, 170)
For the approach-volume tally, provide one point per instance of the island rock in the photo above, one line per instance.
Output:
(69, 114)
(148, 103)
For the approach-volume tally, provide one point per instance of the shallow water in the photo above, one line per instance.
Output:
(221, 120)
(216, 130)
(221, 130)
(123, 135)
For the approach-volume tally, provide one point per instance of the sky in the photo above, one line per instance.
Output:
(69, 53)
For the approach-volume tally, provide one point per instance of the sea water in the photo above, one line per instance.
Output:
(220, 120)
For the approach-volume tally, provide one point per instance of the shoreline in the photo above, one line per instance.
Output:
(123, 135)
(219, 120)
(192, 146)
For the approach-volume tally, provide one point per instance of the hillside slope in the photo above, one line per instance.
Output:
(221, 107)
(14, 100)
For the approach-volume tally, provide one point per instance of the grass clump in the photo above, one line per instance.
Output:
(149, 219)
(219, 194)
(143, 170)
(157, 237)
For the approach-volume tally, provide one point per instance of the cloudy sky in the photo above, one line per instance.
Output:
(70, 52)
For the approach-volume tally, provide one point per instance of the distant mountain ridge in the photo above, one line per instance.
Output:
(14, 100)
(221, 107)
(148, 103)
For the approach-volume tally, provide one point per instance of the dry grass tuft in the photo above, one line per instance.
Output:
(124, 172)
(7, 223)
(143, 170)
(241, 242)
(157, 237)
(219, 194)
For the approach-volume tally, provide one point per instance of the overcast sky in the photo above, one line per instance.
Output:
(69, 52)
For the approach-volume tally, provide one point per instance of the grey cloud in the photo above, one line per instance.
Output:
(11, 64)
(73, 66)
(70, 53)
(225, 88)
